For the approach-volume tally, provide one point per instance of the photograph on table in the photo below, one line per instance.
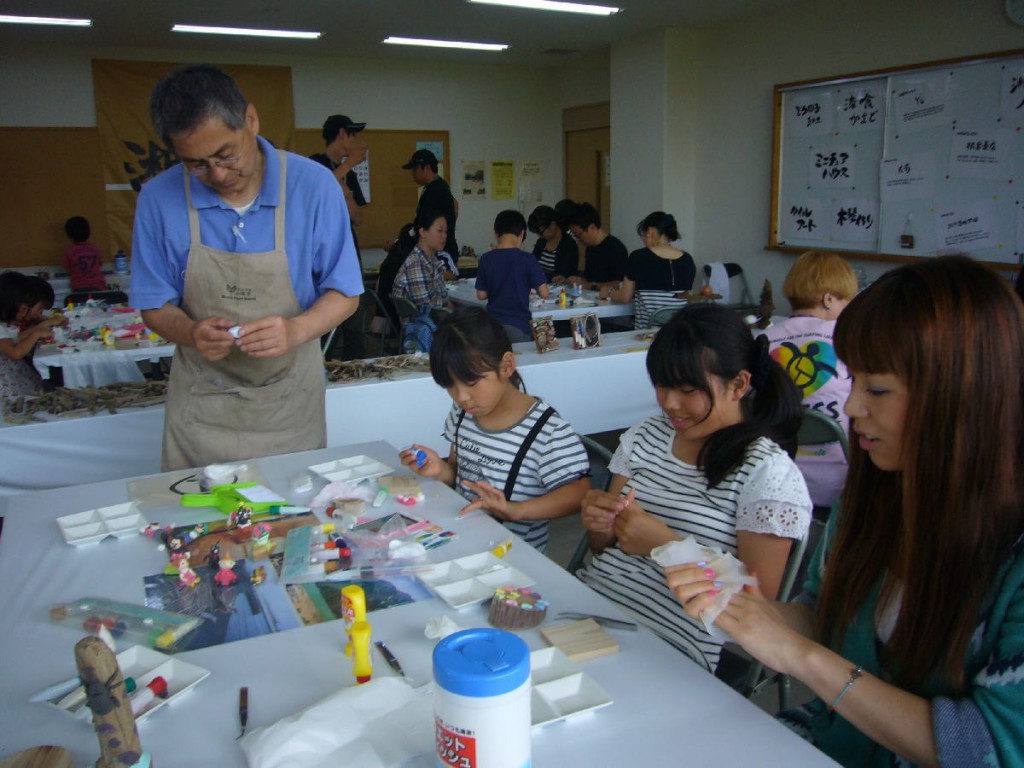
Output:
(586, 331)
(234, 599)
(320, 601)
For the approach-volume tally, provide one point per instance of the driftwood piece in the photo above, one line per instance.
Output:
(111, 711)
(378, 367)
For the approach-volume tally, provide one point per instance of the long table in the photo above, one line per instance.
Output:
(666, 709)
(464, 292)
(595, 390)
(95, 364)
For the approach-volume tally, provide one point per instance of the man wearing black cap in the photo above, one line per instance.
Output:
(344, 150)
(437, 195)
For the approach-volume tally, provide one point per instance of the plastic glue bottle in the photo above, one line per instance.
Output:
(353, 611)
(482, 699)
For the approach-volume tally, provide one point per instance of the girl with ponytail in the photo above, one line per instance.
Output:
(715, 465)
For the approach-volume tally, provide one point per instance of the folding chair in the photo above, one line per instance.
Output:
(387, 324)
(662, 316)
(735, 272)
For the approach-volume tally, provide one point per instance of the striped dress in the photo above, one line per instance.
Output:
(764, 494)
(556, 457)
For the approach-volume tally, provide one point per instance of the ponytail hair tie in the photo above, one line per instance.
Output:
(412, 231)
(762, 367)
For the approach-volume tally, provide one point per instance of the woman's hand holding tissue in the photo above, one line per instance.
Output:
(768, 630)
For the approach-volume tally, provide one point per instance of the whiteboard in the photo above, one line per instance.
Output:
(911, 163)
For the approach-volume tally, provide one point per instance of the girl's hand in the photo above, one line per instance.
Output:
(694, 586)
(424, 461)
(490, 499)
(639, 532)
(598, 510)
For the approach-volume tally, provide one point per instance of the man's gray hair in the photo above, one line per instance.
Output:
(189, 96)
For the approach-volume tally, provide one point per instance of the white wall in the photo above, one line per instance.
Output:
(492, 112)
(739, 63)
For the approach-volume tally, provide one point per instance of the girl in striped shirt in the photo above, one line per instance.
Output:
(511, 454)
(712, 466)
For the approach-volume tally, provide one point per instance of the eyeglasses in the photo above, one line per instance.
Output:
(202, 167)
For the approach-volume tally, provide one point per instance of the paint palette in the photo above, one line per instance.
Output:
(471, 580)
(560, 690)
(351, 470)
(144, 664)
(94, 525)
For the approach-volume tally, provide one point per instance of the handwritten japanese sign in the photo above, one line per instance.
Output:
(832, 168)
(855, 221)
(810, 114)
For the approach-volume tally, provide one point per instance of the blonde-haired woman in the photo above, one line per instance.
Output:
(818, 287)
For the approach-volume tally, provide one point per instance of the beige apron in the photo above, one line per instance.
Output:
(241, 407)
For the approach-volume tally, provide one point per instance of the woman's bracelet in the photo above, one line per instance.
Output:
(855, 673)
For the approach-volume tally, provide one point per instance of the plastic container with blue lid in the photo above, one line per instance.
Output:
(482, 699)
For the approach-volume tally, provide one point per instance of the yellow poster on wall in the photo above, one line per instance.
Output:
(132, 154)
(503, 180)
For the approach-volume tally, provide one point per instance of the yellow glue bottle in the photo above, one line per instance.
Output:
(362, 664)
(353, 611)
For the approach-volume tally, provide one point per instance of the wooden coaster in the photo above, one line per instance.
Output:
(581, 640)
(401, 485)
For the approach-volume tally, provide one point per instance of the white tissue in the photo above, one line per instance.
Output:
(411, 550)
(385, 722)
(221, 474)
(731, 572)
(439, 627)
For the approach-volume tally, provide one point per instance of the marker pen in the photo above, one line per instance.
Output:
(142, 698)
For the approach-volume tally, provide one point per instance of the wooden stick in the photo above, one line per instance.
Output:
(111, 712)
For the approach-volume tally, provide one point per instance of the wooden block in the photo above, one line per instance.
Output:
(581, 640)
(401, 485)
(39, 757)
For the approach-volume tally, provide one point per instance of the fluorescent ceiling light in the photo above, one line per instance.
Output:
(240, 31)
(45, 20)
(554, 5)
(445, 44)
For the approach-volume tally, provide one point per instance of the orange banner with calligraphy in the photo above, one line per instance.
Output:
(131, 153)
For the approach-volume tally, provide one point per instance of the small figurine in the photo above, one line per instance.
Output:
(186, 575)
(225, 575)
(176, 547)
(242, 517)
(201, 529)
(258, 576)
(213, 556)
(260, 534)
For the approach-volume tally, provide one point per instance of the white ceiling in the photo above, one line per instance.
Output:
(356, 27)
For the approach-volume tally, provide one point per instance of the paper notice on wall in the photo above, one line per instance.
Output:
(473, 184)
(919, 101)
(855, 221)
(966, 228)
(801, 219)
(980, 154)
(1011, 92)
(809, 114)
(832, 168)
(503, 180)
(861, 107)
(362, 172)
(909, 177)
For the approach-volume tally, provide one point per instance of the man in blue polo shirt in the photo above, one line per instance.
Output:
(243, 257)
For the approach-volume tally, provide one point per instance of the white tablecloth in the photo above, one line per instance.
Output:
(595, 390)
(94, 365)
(666, 710)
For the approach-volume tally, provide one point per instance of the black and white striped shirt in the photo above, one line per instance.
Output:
(764, 494)
(556, 457)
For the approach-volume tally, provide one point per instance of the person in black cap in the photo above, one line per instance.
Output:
(437, 195)
(343, 151)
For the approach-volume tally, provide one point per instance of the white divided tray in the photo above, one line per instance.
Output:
(472, 579)
(351, 470)
(93, 525)
(559, 689)
(144, 664)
